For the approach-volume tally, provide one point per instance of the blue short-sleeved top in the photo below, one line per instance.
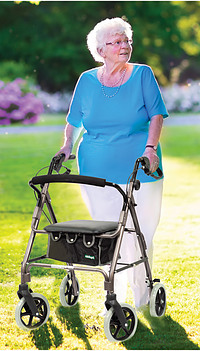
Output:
(116, 129)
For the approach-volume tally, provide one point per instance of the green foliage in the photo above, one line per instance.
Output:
(10, 70)
(190, 28)
(51, 37)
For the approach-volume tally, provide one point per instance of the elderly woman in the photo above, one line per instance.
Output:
(120, 106)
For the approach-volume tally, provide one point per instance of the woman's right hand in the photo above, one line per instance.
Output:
(65, 150)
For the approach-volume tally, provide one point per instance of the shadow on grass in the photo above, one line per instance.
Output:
(165, 334)
(47, 336)
(71, 318)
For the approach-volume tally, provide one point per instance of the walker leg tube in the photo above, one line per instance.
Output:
(142, 243)
(25, 277)
(74, 285)
(50, 208)
(110, 285)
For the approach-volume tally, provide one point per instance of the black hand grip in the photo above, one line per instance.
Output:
(58, 160)
(58, 157)
(66, 178)
(145, 164)
(146, 167)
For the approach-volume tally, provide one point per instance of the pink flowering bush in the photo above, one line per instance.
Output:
(18, 104)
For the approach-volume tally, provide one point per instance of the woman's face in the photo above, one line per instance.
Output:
(117, 48)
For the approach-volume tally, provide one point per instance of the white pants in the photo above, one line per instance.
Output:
(105, 204)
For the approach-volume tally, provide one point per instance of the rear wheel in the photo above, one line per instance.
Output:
(67, 295)
(158, 301)
(112, 326)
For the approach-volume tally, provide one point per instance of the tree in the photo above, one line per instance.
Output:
(51, 38)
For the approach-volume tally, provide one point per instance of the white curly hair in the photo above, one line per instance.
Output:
(97, 36)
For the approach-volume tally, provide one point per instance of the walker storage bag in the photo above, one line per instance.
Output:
(82, 246)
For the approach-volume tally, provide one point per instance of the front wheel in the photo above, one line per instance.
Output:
(158, 301)
(112, 327)
(24, 317)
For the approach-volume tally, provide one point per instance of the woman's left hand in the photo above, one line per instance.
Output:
(153, 159)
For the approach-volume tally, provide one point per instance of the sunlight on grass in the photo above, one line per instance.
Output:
(176, 252)
(52, 120)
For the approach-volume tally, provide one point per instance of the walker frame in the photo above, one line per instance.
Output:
(121, 319)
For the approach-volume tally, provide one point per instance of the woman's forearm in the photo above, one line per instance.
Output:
(153, 139)
(69, 136)
(155, 130)
(69, 140)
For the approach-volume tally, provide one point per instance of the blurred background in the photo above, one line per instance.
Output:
(42, 53)
(44, 43)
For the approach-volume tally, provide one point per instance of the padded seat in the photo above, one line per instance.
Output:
(82, 227)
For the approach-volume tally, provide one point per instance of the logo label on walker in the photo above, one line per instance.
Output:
(90, 257)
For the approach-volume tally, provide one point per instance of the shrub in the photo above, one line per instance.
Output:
(18, 103)
(10, 70)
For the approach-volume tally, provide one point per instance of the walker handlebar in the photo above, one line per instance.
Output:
(56, 164)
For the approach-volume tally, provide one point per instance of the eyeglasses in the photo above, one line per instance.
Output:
(118, 43)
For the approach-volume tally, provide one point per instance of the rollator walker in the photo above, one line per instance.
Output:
(86, 245)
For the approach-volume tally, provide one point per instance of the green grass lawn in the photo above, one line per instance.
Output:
(176, 256)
